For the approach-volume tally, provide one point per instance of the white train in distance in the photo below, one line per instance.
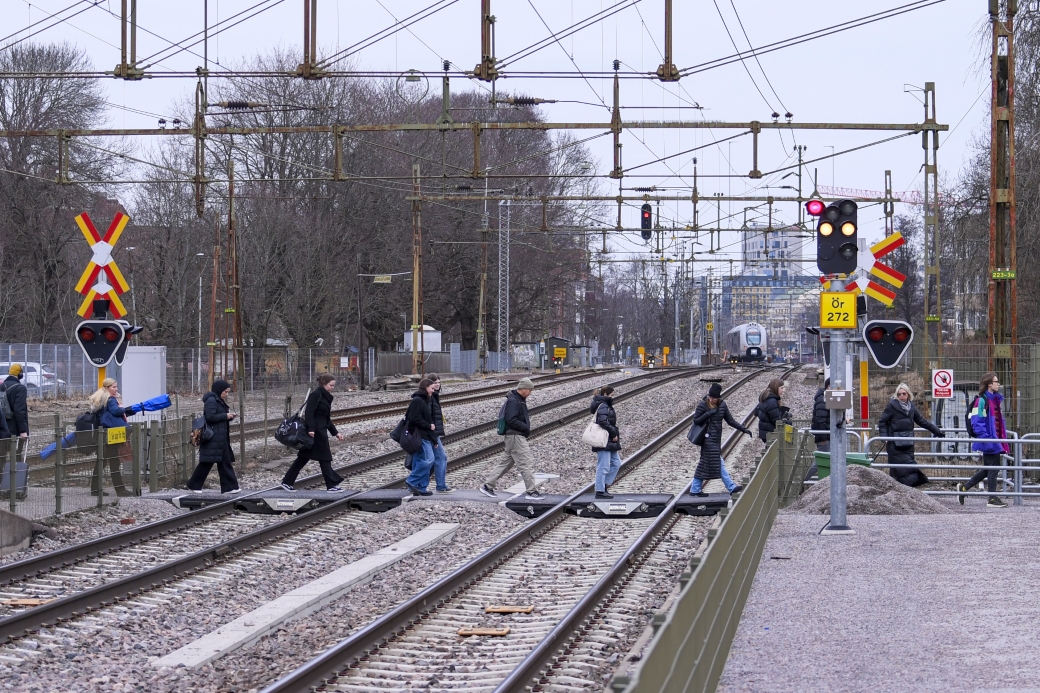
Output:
(746, 342)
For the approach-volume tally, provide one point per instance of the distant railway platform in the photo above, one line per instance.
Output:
(908, 603)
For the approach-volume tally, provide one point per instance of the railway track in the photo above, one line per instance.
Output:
(110, 570)
(387, 409)
(568, 567)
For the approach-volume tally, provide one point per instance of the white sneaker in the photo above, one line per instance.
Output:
(234, 491)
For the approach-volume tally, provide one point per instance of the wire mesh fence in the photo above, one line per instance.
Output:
(58, 470)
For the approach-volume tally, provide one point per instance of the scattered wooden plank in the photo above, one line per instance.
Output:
(507, 609)
(29, 601)
(498, 632)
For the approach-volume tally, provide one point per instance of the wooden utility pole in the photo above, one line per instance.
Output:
(239, 354)
(213, 307)
(1003, 293)
(418, 365)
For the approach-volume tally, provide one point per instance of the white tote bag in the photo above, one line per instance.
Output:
(595, 435)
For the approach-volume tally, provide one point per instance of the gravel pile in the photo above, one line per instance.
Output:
(870, 492)
(117, 657)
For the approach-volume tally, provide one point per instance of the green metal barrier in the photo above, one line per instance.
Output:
(689, 650)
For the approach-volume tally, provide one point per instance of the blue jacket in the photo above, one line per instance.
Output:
(984, 423)
(113, 415)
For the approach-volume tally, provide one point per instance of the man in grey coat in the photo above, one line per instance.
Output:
(518, 451)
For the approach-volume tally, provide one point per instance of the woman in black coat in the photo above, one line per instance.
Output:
(317, 416)
(899, 419)
(608, 461)
(769, 410)
(216, 450)
(711, 412)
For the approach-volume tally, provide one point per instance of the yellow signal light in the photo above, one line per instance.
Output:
(848, 228)
(826, 228)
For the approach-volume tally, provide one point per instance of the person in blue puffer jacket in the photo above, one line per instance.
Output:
(104, 403)
(987, 421)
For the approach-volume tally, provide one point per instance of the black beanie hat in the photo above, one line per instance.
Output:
(715, 390)
(219, 386)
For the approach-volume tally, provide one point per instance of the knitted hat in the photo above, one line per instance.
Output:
(715, 390)
(525, 384)
(219, 386)
(15, 370)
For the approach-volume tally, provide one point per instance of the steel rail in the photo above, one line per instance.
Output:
(520, 678)
(69, 556)
(119, 590)
(384, 409)
(325, 666)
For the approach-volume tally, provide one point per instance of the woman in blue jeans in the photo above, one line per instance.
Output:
(420, 419)
(440, 457)
(608, 461)
(712, 412)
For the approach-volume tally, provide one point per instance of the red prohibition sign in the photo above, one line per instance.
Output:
(942, 379)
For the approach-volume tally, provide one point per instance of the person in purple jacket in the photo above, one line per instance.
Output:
(987, 421)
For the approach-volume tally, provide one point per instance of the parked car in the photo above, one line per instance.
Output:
(39, 380)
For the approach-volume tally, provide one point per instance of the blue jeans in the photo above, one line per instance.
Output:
(422, 463)
(440, 465)
(607, 464)
(698, 484)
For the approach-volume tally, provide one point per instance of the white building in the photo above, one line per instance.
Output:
(775, 253)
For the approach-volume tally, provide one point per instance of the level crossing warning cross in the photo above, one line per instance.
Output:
(869, 264)
(102, 278)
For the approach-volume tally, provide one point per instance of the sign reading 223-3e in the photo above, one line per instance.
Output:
(838, 309)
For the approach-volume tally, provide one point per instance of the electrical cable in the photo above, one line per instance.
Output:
(383, 33)
(51, 26)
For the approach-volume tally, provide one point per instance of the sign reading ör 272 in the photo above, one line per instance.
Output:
(838, 309)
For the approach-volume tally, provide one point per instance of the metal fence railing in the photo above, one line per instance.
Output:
(86, 469)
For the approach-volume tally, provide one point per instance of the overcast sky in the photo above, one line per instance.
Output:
(867, 74)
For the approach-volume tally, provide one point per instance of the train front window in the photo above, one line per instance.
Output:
(754, 337)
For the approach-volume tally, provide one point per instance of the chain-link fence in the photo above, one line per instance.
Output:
(58, 470)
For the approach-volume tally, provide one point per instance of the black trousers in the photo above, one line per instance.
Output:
(990, 475)
(228, 480)
(302, 458)
(113, 456)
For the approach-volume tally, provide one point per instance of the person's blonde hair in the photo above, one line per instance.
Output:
(99, 400)
(904, 386)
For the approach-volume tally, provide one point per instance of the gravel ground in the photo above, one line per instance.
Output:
(869, 492)
(915, 603)
(87, 525)
(117, 658)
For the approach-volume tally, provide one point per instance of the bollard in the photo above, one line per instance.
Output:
(185, 444)
(1018, 474)
(135, 463)
(59, 459)
(153, 456)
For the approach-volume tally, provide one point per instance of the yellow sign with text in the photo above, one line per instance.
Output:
(838, 309)
(559, 352)
(116, 436)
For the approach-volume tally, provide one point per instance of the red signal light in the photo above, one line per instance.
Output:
(646, 214)
(110, 334)
(901, 334)
(876, 334)
(814, 207)
(87, 334)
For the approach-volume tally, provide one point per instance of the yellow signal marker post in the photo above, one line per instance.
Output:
(838, 310)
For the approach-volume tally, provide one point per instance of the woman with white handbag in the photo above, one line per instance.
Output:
(603, 435)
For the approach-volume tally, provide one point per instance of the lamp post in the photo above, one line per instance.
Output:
(198, 367)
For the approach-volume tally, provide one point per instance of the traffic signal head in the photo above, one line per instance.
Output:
(836, 229)
(128, 332)
(100, 339)
(815, 207)
(887, 340)
(646, 221)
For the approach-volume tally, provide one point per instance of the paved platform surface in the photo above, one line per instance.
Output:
(908, 603)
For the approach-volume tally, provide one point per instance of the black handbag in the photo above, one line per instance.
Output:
(292, 432)
(697, 434)
(201, 431)
(395, 435)
(903, 445)
(411, 441)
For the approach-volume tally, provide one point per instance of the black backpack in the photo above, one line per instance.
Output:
(501, 430)
(967, 416)
(5, 404)
(86, 432)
